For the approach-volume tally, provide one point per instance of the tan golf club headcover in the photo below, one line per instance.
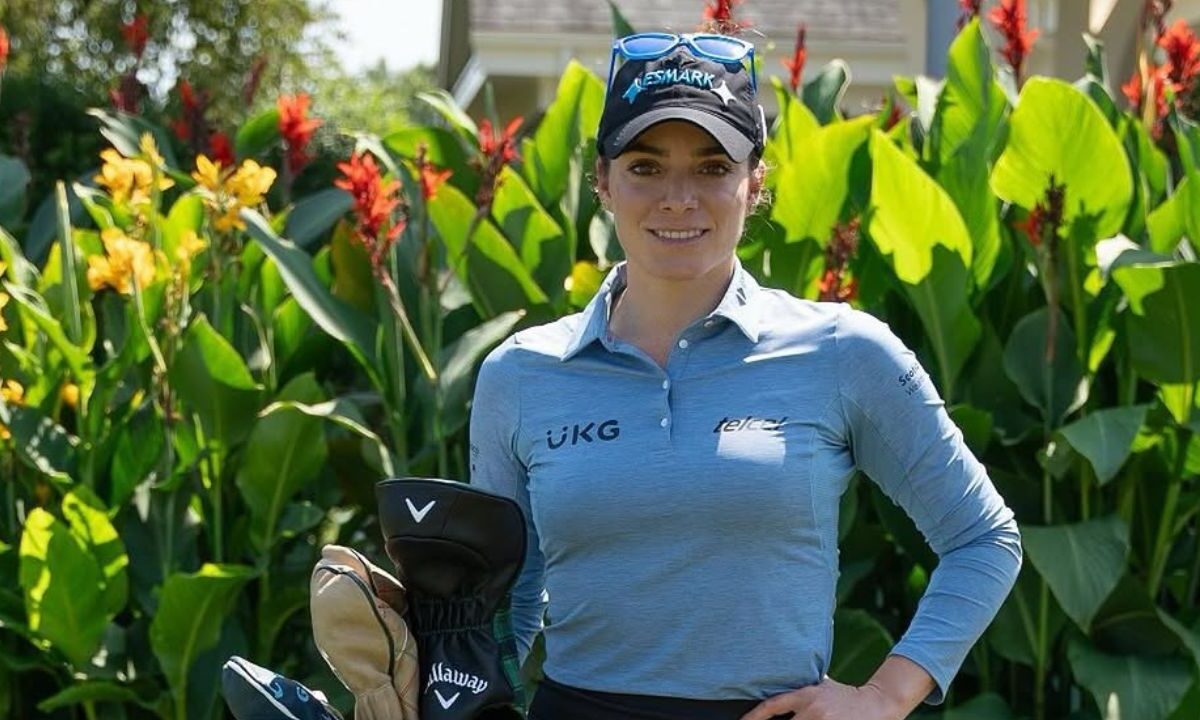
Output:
(358, 625)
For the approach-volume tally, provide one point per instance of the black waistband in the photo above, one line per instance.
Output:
(555, 701)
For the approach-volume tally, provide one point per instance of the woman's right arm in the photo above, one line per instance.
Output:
(496, 466)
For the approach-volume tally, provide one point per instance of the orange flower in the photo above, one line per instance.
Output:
(1010, 19)
(841, 248)
(296, 128)
(221, 149)
(1136, 94)
(3, 48)
(795, 64)
(429, 176)
(136, 33)
(501, 145)
(1183, 56)
(374, 202)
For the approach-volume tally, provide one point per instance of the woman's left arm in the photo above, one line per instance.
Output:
(902, 437)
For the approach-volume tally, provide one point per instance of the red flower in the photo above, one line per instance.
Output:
(795, 64)
(220, 150)
(374, 202)
(296, 128)
(842, 246)
(127, 97)
(431, 179)
(502, 145)
(1183, 56)
(187, 96)
(718, 17)
(970, 10)
(1136, 94)
(1010, 19)
(1046, 218)
(3, 48)
(136, 34)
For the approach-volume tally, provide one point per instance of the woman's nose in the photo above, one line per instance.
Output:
(679, 194)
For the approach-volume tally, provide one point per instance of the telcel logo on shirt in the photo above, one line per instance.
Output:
(600, 432)
(727, 425)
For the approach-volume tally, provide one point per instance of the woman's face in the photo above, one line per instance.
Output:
(678, 201)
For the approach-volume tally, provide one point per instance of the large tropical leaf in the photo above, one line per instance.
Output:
(485, 262)
(1082, 562)
(1050, 382)
(1163, 323)
(315, 214)
(1147, 688)
(823, 93)
(192, 607)
(919, 231)
(285, 451)
(860, 645)
(1057, 131)
(544, 248)
(1105, 438)
(88, 520)
(568, 123)
(213, 379)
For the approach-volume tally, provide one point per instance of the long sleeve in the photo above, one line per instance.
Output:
(496, 466)
(902, 437)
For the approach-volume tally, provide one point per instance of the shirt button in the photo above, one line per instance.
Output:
(663, 422)
(709, 323)
(666, 384)
(683, 344)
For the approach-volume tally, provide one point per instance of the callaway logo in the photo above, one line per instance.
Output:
(440, 673)
(419, 515)
(727, 425)
(607, 430)
(675, 76)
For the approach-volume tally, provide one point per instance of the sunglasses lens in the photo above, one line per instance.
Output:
(639, 45)
(721, 47)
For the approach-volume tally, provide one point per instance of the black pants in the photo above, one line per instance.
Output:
(555, 701)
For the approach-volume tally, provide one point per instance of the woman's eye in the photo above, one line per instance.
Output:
(641, 167)
(717, 168)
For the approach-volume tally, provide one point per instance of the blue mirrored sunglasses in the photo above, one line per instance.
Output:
(653, 45)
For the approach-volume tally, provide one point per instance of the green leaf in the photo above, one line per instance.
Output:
(257, 134)
(333, 316)
(88, 519)
(621, 26)
(95, 691)
(918, 230)
(213, 380)
(1014, 632)
(988, 706)
(1163, 322)
(823, 93)
(569, 122)
(23, 272)
(285, 452)
(443, 103)
(860, 645)
(187, 214)
(40, 442)
(33, 308)
(343, 413)
(971, 102)
(14, 179)
(125, 133)
(1129, 622)
(1168, 222)
(585, 282)
(315, 214)
(1057, 131)
(812, 189)
(544, 247)
(62, 585)
(1189, 637)
(353, 279)
(1081, 563)
(456, 368)
(1052, 385)
(139, 446)
(192, 607)
(1147, 688)
(793, 125)
(1105, 438)
(486, 263)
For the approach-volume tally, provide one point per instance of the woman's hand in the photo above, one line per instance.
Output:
(829, 700)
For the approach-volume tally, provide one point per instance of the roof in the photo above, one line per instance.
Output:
(828, 20)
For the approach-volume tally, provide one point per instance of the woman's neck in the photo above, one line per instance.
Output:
(651, 312)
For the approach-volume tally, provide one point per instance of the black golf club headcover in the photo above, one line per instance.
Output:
(458, 550)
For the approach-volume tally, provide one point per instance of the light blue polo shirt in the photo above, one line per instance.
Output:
(684, 520)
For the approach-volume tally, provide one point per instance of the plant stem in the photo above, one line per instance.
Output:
(410, 335)
(1163, 540)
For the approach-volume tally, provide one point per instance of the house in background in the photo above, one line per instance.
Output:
(520, 47)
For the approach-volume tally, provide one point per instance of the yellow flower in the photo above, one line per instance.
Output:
(229, 219)
(69, 394)
(190, 244)
(129, 180)
(150, 150)
(13, 394)
(125, 260)
(250, 183)
(208, 173)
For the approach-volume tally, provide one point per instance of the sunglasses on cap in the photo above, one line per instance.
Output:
(653, 45)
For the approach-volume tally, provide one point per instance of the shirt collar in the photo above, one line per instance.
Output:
(737, 306)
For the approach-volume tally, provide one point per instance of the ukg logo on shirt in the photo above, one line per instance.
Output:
(585, 433)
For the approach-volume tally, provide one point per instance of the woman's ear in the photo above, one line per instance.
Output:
(601, 185)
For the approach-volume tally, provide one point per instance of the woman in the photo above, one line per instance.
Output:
(679, 448)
